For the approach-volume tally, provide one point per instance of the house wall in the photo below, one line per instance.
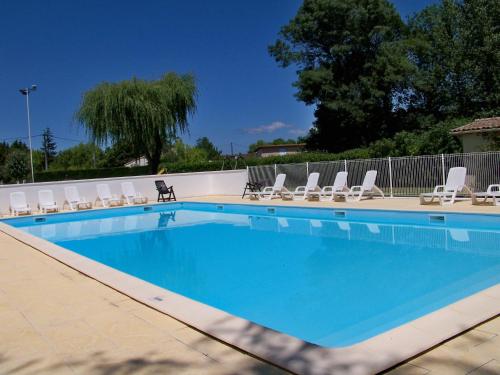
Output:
(185, 185)
(474, 142)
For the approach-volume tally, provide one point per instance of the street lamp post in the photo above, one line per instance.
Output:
(26, 92)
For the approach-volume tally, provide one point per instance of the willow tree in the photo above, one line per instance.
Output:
(142, 114)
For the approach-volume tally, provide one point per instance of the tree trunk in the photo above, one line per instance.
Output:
(155, 155)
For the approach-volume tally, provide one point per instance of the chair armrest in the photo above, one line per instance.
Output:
(356, 187)
(267, 189)
(327, 188)
(494, 187)
(300, 188)
(439, 188)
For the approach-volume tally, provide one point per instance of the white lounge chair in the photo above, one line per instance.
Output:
(73, 199)
(446, 194)
(327, 192)
(493, 193)
(18, 204)
(131, 196)
(270, 192)
(46, 201)
(302, 192)
(367, 189)
(107, 199)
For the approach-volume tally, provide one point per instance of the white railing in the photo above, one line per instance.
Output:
(397, 176)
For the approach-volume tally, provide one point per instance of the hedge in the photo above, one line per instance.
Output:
(183, 167)
(83, 174)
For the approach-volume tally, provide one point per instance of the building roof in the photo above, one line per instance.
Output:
(479, 126)
(285, 145)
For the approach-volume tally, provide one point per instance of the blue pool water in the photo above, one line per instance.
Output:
(329, 277)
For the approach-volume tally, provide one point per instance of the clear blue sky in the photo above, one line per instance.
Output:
(67, 47)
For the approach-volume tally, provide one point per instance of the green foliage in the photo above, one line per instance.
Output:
(80, 156)
(371, 76)
(205, 145)
(80, 174)
(351, 59)
(456, 47)
(278, 141)
(143, 114)
(48, 147)
(17, 165)
(435, 140)
(117, 155)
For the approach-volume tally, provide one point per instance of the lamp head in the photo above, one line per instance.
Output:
(33, 87)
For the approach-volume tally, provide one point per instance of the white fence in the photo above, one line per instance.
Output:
(397, 177)
(185, 185)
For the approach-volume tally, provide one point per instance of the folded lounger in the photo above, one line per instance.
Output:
(131, 195)
(18, 204)
(107, 199)
(493, 193)
(446, 194)
(46, 201)
(327, 192)
(367, 189)
(270, 192)
(73, 199)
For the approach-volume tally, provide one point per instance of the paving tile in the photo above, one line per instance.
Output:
(409, 369)
(470, 340)
(490, 368)
(444, 361)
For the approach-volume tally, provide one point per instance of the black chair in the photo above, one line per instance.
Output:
(251, 187)
(163, 190)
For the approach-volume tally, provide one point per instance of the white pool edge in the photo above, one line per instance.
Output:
(376, 354)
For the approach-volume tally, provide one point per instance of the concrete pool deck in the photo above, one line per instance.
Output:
(54, 319)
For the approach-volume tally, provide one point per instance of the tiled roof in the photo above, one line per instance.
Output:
(479, 125)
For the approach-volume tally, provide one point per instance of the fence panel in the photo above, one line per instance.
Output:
(327, 171)
(357, 169)
(483, 168)
(296, 174)
(413, 175)
(410, 175)
(262, 173)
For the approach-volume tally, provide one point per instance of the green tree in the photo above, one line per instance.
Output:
(48, 147)
(81, 156)
(208, 147)
(17, 165)
(352, 64)
(142, 114)
(117, 155)
(456, 47)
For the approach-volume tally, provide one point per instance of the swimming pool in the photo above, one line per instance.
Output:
(326, 276)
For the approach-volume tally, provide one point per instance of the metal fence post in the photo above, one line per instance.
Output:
(390, 177)
(345, 165)
(275, 168)
(307, 169)
(442, 166)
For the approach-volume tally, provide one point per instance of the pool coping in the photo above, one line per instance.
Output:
(373, 355)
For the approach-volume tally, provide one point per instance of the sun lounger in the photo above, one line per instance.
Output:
(132, 196)
(493, 193)
(270, 192)
(107, 199)
(302, 192)
(446, 194)
(327, 192)
(368, 189)
(46, 201)
(18, 204)
(73, 199)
